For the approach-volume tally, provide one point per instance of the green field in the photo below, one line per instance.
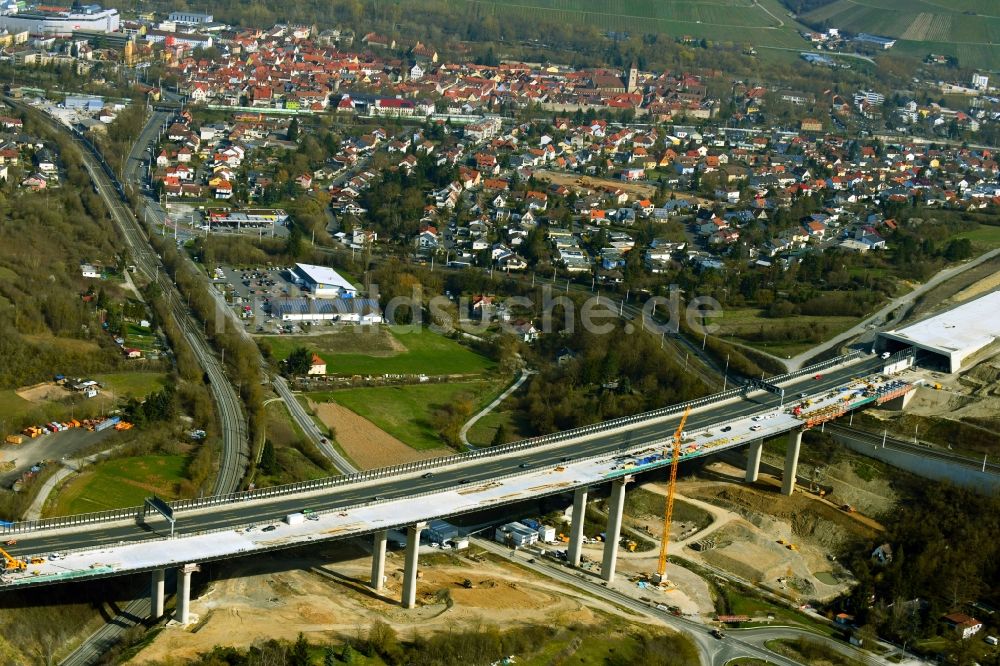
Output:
(359, 350)
(12, 405)
(743, 325)
(132, 384)
(966, 29)
(120, 483)
(985, 237)
(407, 412)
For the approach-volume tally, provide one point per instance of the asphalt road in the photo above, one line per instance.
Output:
(400, 487)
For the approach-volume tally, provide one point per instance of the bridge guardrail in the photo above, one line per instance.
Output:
(388, 525)
(368, 475)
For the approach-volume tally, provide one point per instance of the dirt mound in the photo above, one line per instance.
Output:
(365, 443)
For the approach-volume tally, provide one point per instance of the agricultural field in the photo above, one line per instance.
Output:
(763, 22)
(384, 350)
(966, 29)
(409, 413)
(121, 483)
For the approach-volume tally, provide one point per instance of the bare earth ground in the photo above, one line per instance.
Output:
(43, 392)
(365, 443)
(324, 596)
(573, 180)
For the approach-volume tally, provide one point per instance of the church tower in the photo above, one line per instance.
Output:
(633, 79)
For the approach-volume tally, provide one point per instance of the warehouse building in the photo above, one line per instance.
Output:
(321, 281)
(58, 22)
(948, 339)
(316, 310)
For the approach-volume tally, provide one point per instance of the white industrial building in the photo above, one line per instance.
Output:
(951, 336)
(516, 535)
(344, 310)
(323, 281)
(53, 22)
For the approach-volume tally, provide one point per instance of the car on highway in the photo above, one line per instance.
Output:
(463, 481)
(755, 427)
(523, 465)
(270, 528)
(818, 377)
(427, 475)
(726, 428)
(718, 633)
(11, 542)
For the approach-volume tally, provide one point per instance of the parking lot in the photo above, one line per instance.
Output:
(251, 291)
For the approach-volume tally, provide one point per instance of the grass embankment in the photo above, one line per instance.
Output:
(357, 350)
(297, 459)
(124, 482)
(409, 413)
(811, 652)
(782, 337)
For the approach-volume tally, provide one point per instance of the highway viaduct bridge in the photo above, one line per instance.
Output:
(407, 496)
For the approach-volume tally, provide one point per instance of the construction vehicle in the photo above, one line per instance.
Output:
(792, 546)
(629, 544)
(14, 439)
(668, 515)
(937, 386)
(11, 563)
(848, 508)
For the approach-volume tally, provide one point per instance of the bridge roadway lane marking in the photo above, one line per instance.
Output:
(394, 487)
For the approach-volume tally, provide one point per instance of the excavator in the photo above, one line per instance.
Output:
(11, 563)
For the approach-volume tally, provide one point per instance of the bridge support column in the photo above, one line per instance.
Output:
(182, 613)
(576, 526)
(791, 462)
(378, 560)
(410, 566)
(157, 593)
(753, 460)
(616, 505)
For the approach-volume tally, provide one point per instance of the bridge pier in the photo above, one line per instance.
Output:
(157, 593)
(410, 565)
(378, 560)
(616, 506)
(753, 460)
(182, 613)
(791, 462)
(576, 525)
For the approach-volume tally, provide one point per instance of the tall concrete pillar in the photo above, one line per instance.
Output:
(182, 613)
(576, 527)
(753, 460)
(378, 560)
(157, 593)
(791, 462)
(410, 566)
(616, 505)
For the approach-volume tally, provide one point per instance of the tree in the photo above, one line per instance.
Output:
(293, 129)
(298, 362)
(330, 656)
(268, 459)
(300, 652)
(500, 437)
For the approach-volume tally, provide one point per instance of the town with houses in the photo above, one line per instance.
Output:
(607, 148)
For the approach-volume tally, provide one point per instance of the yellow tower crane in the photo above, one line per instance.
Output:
(668, 515)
